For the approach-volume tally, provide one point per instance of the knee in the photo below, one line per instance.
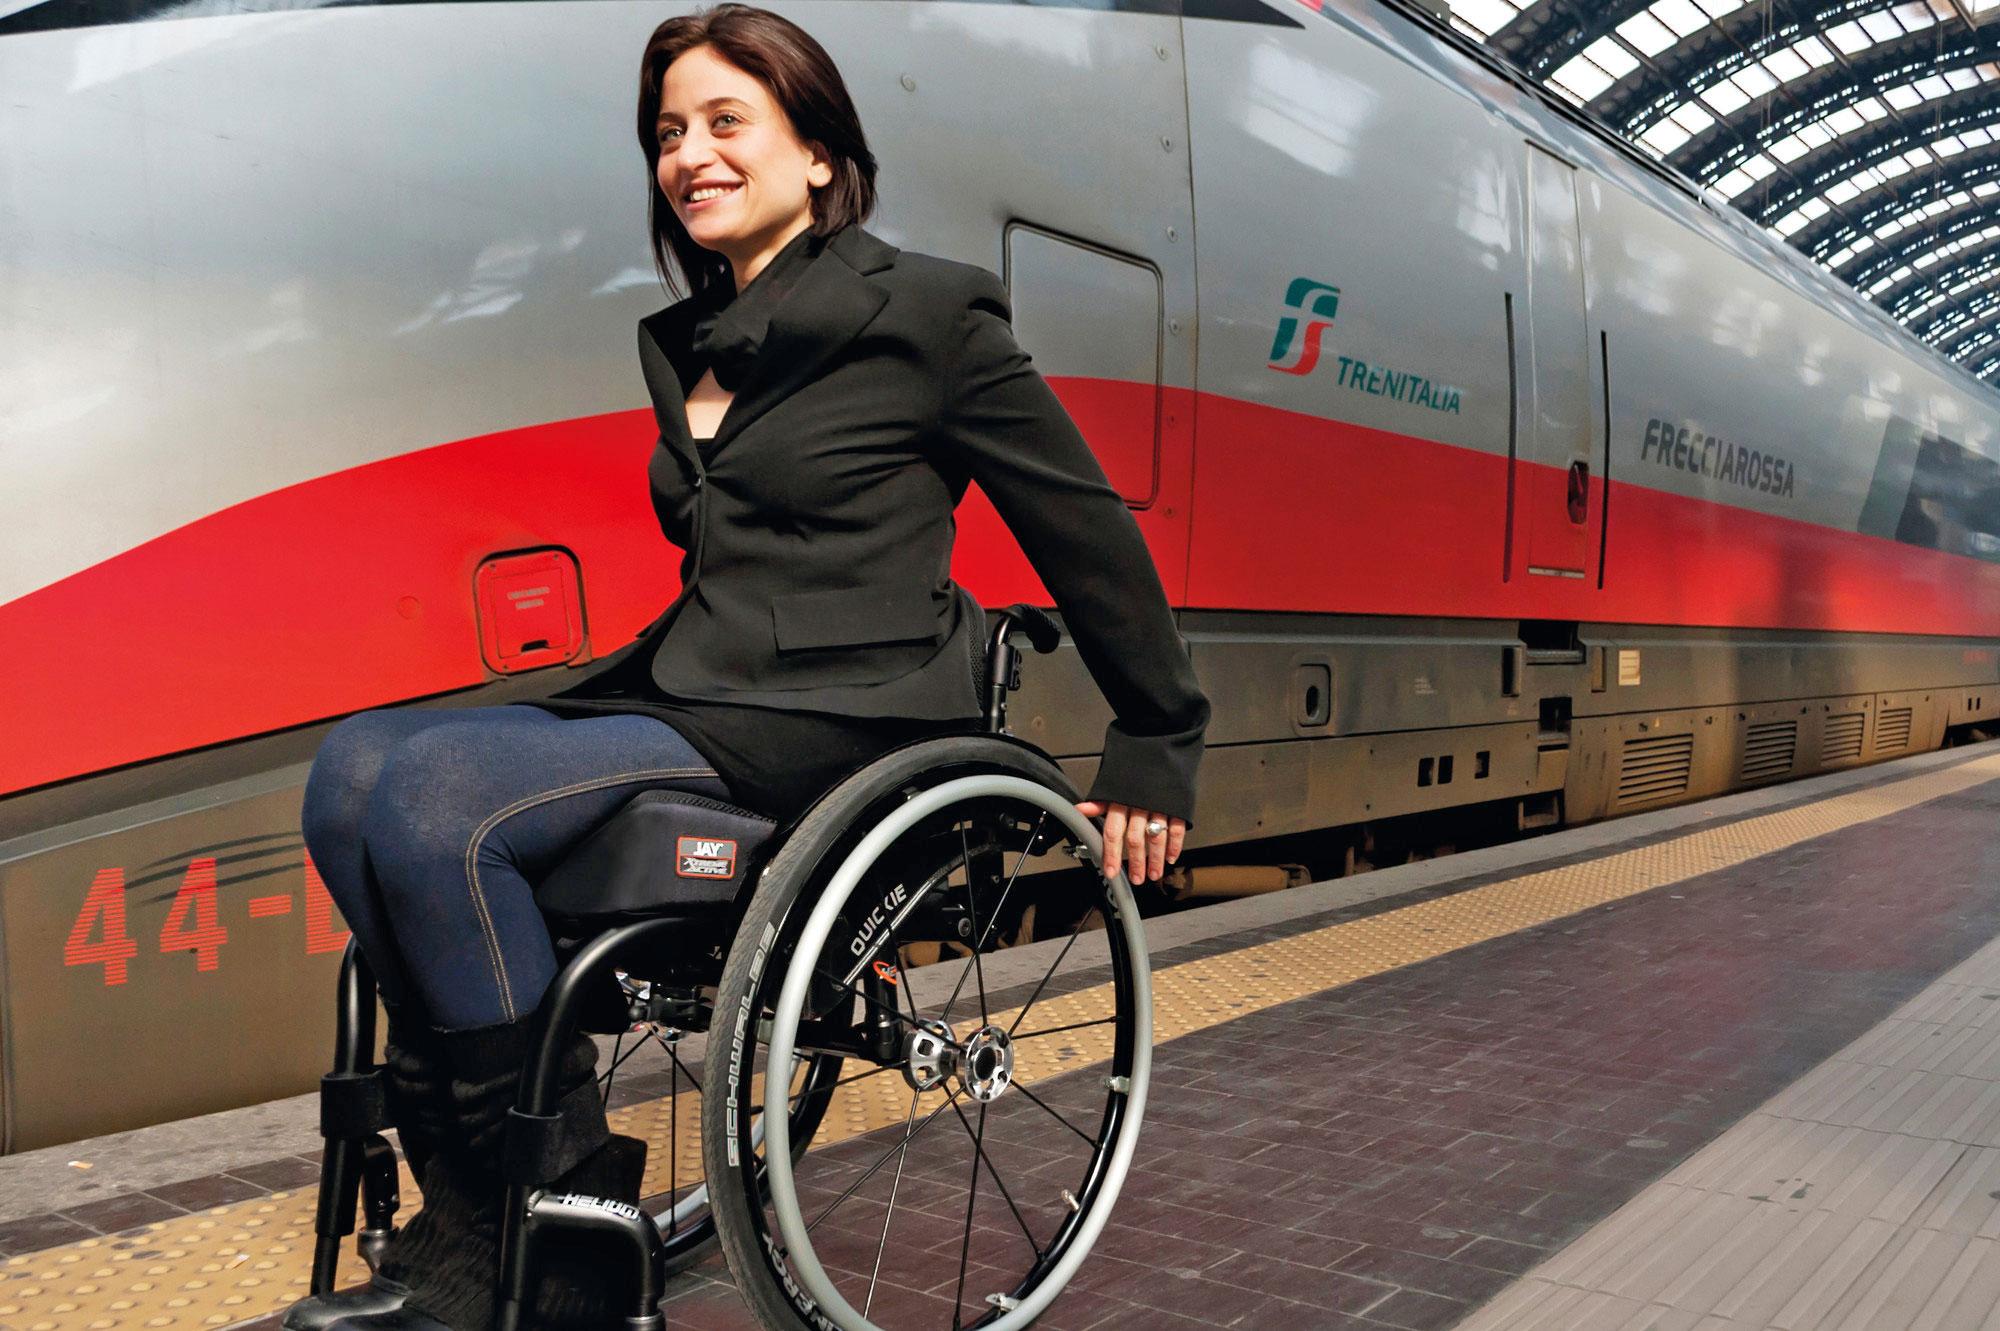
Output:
(343, 775)
(424, 808)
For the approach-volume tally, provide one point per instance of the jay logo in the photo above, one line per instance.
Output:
(1310, 307)
(706, 857)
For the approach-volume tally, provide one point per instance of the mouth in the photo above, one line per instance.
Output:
(706, 195)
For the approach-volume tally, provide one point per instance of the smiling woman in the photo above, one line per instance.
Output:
(824, 402)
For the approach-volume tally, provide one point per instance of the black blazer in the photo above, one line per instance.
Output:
(817, 526)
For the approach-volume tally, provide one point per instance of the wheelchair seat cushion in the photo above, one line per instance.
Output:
(664, 851)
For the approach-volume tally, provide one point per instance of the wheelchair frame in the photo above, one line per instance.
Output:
(358, 1159)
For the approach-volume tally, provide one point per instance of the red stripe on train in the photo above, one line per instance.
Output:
(355, 590)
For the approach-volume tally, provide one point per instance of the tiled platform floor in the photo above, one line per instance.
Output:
(1398, 1151)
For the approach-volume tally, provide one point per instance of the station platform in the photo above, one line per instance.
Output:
(1733, 1065)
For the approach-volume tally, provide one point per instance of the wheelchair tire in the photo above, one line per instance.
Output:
(804, 906)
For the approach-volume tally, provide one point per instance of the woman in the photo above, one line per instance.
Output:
(823, 402)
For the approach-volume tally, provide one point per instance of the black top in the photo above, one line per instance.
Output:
(817, 622)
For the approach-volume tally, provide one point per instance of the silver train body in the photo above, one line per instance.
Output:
(1486, 464)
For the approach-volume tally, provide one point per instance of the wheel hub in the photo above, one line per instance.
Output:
(983, 1063)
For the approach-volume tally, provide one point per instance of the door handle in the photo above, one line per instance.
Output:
(1579, 492)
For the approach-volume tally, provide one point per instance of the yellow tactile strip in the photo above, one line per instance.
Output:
(250, 1259)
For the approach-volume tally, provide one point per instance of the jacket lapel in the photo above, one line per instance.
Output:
(661, 336)
(832, 303)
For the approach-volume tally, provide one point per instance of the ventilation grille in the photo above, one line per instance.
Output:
(1655, 768)
(1842, 740)
(1892, 730)
(1768, 750)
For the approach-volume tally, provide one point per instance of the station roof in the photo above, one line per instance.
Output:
(1866, 133)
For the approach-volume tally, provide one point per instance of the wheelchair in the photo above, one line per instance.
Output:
(887, 1141)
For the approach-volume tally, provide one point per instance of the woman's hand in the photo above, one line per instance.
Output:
(1127, 842)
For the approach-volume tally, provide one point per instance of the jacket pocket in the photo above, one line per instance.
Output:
(853, 617)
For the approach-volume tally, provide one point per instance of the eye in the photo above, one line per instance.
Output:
(730, 117)
(667, 133)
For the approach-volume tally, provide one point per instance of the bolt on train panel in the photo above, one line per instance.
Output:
(1448, 420)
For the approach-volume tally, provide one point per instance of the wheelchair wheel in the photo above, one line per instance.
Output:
(983, 1124)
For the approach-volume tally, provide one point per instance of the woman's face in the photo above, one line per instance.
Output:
(731, 165)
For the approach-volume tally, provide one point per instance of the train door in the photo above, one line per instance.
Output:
(1555, 513)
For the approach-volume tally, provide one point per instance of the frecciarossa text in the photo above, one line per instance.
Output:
(1687, 449)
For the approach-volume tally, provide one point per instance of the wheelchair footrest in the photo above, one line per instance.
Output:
(629, 1233)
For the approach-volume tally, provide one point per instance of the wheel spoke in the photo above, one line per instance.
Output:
(895, 1187)
(1022, 1088)
(1054, 966)
(980, 1150)
(983, 937)
(1058, 1030)
(908, 1137)
(673, 1143)
(971, 1202)
(978, 934)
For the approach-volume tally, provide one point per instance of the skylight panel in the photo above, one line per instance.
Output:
(1814, 209)
(1814, 52)
(1903, 98)
(1789, 149)
(1871, 109)
(1647, 33)
(1932, 87)
(1916, 14)
(1488, 16)
(1950, 146)
(1754, 79)
(1680, 15)
(1844, 121)
(1842, 192)
(1976, 137)
(1816, 135)
(1786, 65)
(1612, 57)
(1839, 257)
(1665, 137)
(1849, 38)
(1721, 8)
(1726, 98)
(1880, 26)
(1734, 183)
(1758, 167)
(1692, 117)
(1961, 79)
(1582, 76)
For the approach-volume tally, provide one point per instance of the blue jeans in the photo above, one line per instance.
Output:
(428, 828)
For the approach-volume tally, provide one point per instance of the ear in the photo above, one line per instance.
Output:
(820, 173)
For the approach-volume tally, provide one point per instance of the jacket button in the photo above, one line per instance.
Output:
(697, 482)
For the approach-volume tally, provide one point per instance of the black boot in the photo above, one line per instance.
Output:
(419, 1105)
(449, 1253)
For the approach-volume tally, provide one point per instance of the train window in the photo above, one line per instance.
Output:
(1482, 764)
(1444, 770)
(1092, 320)
(1424, 770)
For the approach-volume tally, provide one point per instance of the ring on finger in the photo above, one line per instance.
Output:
(1156, 827)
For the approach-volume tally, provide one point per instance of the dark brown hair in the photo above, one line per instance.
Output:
(802, 79)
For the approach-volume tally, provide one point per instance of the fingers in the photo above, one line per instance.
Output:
(1135, 846)
(1156, 853)
(1176, 834)
(1114, 840)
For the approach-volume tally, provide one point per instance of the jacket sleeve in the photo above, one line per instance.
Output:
(1003, 424)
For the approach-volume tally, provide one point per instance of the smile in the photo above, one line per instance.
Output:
(710, 192)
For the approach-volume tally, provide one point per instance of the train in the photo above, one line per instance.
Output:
(1488, 463)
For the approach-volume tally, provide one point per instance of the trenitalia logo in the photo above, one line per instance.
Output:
(1310, 308)
(1312, 304)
